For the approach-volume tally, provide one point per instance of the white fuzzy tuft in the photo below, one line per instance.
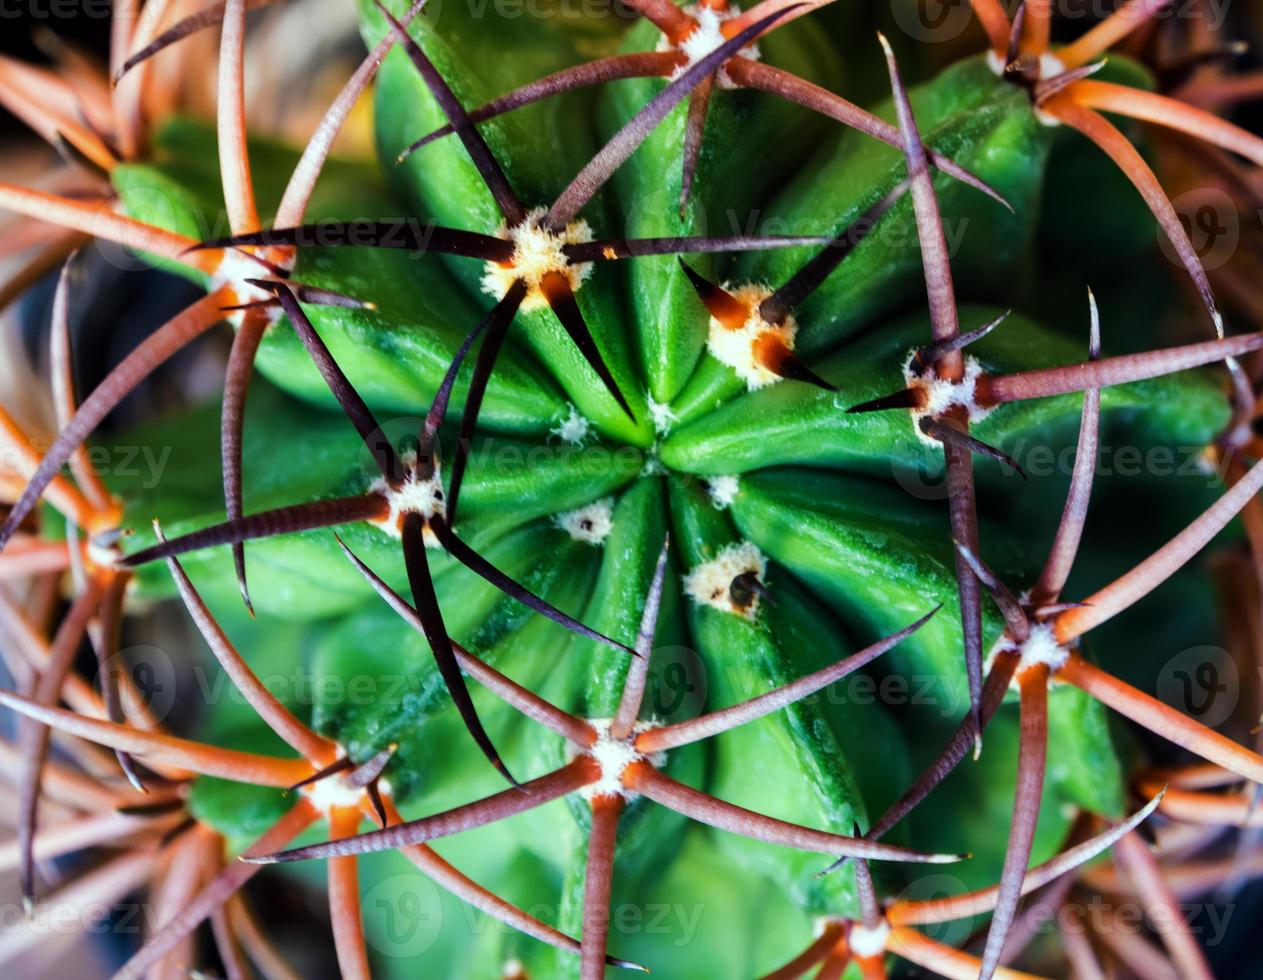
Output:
(1050, 66)
(103, 555)
(1040, 647)
(333, 791)
(662, 416)
(537, 252)
(614, 756)
(591, 524)
(233, 271)
(708, 36)
(723, 490)
(424, 497)
(653, 465)
(574, 428)
(941, 395)
(708, 584)
(735, 348)
(865, 942)
(1046, 118)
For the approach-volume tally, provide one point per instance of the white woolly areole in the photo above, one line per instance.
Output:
(574, 428)
(706, 37)
(414, 496)
(103, 556)
(866, 942)
(614, 756)
(661, 416)
(723, 491)
(1046, 118)
(708, 584)
(653, 465)
(1040, 647)
(233, 271)
(591, 524)
(735, 348)
(332, 791)
(942, 395)
(537, 251)
(1050, 66)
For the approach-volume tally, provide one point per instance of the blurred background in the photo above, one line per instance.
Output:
(124, 302)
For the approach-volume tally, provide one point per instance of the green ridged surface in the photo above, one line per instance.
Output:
(843, 506)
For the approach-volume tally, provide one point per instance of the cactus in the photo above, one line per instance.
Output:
(688, 401)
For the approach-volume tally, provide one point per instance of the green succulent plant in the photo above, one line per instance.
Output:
(710, 410)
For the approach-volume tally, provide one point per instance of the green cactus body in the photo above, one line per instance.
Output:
(573, 498)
